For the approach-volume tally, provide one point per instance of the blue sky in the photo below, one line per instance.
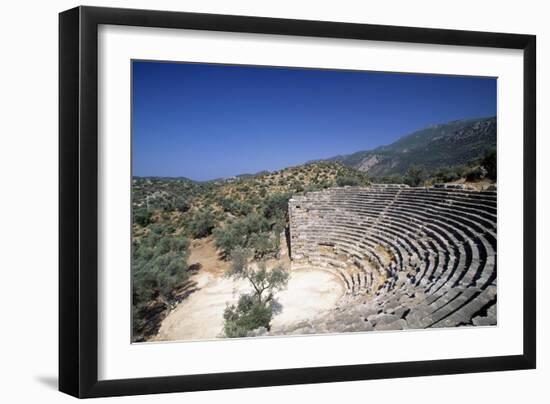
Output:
(205, 121)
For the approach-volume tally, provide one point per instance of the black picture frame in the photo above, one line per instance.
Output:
(78, 201)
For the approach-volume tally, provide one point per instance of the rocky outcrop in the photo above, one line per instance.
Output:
(433, 147)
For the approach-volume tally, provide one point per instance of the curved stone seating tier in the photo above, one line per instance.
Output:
(480, 224)
(459, 204)
(421, 257)
(463, 238)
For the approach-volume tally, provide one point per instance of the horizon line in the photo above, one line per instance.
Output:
(316, 160)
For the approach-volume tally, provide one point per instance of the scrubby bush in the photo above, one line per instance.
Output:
(415, 176)
(246, 316)
(489, 162)
(201, 224)
(225, 203)
(142, 216)
(391, 179)
(475, 174)
(253, 231)
(297, 186)
(264, 244)
(446, 174)
(342, 181)
(234, 207)
(159, 264)
(181, 204)
(325, 184)
(275, 207)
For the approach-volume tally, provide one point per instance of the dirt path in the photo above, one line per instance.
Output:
(204, 252)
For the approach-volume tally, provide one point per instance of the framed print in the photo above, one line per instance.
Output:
(275, 201)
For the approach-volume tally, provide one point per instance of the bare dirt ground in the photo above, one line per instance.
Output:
(204, 252)
(310, 292)
(200, 316)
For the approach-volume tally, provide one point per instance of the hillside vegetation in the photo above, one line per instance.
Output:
(249, 213)
(246, 212)
(443, 146)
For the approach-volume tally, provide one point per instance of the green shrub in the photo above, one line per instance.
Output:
(343, 181)
(243, 233)
(181, 204)
(415, 176)
(446, 174)
(201, 224)
(142, 216)
(246, 316)
(475, 174)
(157, 267)
(264, 244)
(275, 207)
(157, 228)
(391, 179)
(234, 207)
(489, 162)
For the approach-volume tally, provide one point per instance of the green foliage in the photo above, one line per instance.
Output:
(159, 263)
(255, 309)
(235, 207)
(202, 223)
(275, 207)
(347, 181)
(249, 212)
(297, 186)
(415, 176)
(391, 179)
(448, 174)
(489, 162)
(253, 231)
(181, 204)
(142, 216)
(475, 174)
(265, 282)
(225, 203)
(246, 316)
(265, 244)
(350, 177)
(450, 144)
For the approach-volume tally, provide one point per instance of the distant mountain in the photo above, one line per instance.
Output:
(162, 178)
(436, 146)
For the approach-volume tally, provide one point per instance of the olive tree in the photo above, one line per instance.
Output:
(202, 223)
(415, 176)
(254, 309)
(489, 161)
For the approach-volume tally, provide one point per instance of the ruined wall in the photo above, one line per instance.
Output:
(304, 214)
(297, 211)
(307, 213)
